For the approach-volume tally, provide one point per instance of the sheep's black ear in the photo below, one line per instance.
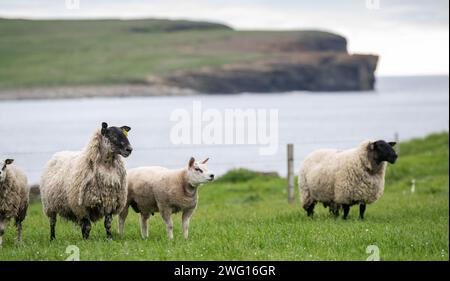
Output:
(392, 143)
(125, 128)
(9, 161)
(191, 162)
(104, 128)
(372, 146)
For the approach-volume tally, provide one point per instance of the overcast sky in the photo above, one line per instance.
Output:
(411, 36)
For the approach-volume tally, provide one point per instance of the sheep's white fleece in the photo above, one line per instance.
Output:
(342, 177)
(85, 184)
(13, 194)
(153, 188)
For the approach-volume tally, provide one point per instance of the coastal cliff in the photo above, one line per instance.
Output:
(330, 72)
(309, 61)
(88, 58)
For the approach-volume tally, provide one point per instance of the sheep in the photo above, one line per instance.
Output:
(13, 197)
(158, 189)
(84, 186)
(345, 178)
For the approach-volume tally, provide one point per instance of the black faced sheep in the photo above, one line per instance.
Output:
(84, 186)
(344, 178)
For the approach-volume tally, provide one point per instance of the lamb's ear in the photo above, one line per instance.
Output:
(104, 128)
(372, 146)
(191, 162)
(125, 128)
(392, 143)
(204, 161)
(9, 161)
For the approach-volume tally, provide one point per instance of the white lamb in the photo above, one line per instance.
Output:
(345, 178)
(84, 186)
(157, 189)
(13, 197)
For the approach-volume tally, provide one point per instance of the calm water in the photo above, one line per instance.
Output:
(31, 131)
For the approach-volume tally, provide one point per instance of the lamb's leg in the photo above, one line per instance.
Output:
(52, 218)
(166, 215)
(85, 228)
(144, 228)
(346, 210)
(362, 209)
(122, 217)
(2, 231)
(186, 217)
(108, 221)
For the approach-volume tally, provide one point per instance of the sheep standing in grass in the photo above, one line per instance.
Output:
(13, 197)
(87, 185)
(345, 178)
(157, 189)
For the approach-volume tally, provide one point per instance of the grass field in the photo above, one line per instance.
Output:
(245, 216)
(49, 53)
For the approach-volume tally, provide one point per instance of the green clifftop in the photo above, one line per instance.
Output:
(205, 57)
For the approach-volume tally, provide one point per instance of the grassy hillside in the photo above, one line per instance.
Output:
(49, 53)
(245, 216)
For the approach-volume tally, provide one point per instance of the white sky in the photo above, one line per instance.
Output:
(411, 36)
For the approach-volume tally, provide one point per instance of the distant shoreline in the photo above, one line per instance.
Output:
(92, 91)
(124, 90)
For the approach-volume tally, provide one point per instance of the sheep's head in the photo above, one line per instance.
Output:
(117, 139)
(197, 173)
(3, 170)
(383, 151)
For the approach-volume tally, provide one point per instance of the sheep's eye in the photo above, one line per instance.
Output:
(199, 170)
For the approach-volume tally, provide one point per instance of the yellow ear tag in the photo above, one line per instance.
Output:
(125, 133)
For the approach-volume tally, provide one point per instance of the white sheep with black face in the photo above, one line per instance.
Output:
(345, 178)
(158, 189)
(13, 197)
(84, 186)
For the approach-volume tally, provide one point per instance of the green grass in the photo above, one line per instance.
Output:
(55, 53)
(245, 216)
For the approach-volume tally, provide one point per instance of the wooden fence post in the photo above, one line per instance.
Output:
(397, 140)
(290, 169)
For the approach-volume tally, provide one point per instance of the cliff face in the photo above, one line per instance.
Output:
(312, 62)
(333, 73)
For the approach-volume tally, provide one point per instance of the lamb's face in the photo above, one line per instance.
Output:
(117, 139)
(198, 172)
(384, 151)
(3, 171)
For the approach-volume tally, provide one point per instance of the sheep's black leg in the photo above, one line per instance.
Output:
(362, 209)
(19, 231)
(335, 210)
(108, 220)
(346, 210)
(19, 219)
(2, 230)
(310, 209)
(52, 227)
(85, 228)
